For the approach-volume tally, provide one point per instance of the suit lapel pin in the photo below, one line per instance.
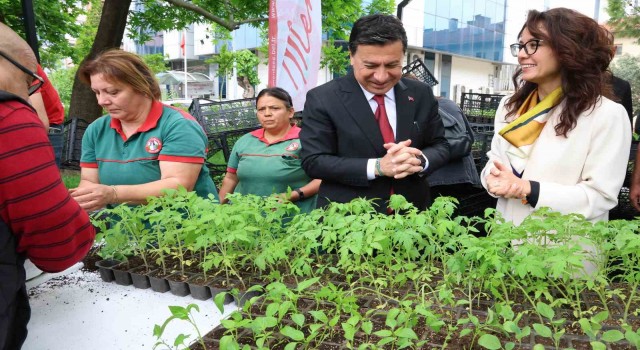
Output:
(410, 98)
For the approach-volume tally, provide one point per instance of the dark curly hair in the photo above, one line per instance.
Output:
(583, 50)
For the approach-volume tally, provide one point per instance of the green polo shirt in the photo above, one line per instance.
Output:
(264, 169)
(168, 134)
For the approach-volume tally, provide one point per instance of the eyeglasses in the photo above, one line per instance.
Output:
(33, 87)
(530, 47)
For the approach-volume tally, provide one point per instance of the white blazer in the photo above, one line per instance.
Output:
(581, 173)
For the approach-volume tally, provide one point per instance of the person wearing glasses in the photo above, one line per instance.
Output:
(38, 219)
(141, 146)
(560, 141)
(267, 161)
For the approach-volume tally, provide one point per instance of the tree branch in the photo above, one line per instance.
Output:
(229, 25)
(252, 20)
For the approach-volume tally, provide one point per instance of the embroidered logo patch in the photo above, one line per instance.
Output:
(153, 145)
(292, 146)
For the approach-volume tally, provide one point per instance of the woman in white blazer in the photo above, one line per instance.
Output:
(560, 142)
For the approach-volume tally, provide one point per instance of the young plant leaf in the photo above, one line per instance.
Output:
(406, 333)
(179, 312)
(291, 346)
(306, 284)
(349, 331)
(180, 339)
(542, 330)
(545, 310)
(298, 319)
(292, 333)
(219, 301)
(319, 315)
(490, 341)
(612, 336)
(228, 343)
(367, 327)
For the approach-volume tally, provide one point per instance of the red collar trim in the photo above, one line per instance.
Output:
(293, 133)
(153, 117)
(149, 123)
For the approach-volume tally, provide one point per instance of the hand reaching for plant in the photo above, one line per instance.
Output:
(92, 196)
(503, 183)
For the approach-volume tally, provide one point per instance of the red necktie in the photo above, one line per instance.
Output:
(385, 127)
(383, 120)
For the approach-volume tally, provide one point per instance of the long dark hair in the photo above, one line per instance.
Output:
(583, 50)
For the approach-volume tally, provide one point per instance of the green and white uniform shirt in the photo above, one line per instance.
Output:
(265, 168)
(168, 134)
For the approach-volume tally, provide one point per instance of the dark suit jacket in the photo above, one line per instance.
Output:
(622, 90)
(339, 134)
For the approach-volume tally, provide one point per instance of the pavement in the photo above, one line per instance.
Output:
(77, 310)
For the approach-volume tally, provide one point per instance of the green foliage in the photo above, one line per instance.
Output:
(624, 18)
(627, 67)
(224, 59)
(351, 272)
(54, 21)
(71, 180)
(337, 15)
(159, 16)
(247, 65)
(182, 314)
(334, 57)
(380, 6)
(62, 80)
(155, 62)
(87, 32)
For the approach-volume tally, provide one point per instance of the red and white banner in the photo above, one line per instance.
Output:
(295, 39)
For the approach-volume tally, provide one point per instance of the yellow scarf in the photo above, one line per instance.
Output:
(523, 132)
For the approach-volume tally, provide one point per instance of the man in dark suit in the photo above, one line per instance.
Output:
(371, 133)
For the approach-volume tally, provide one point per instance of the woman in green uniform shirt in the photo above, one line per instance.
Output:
(141, 146)
(267, 161)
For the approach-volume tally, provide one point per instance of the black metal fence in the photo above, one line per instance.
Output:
(224, 123)
(480, 108)
(72, 149)
(420, 71)
(221, 116)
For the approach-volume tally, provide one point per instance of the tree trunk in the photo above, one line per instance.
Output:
(109, 35)
(249, 91)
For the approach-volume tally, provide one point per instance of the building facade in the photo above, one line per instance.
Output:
(464, 43)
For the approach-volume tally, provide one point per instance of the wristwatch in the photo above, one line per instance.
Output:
(300, 194)
(423, 160)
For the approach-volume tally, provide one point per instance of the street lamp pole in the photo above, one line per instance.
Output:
(401, 5)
